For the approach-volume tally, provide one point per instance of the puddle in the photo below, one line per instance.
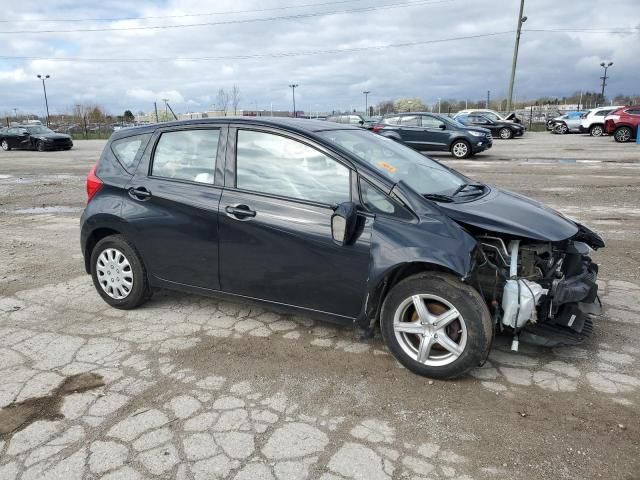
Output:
(17, 416)
(39, 210)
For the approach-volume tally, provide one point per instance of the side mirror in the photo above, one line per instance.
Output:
(343, 223)
(361, 122)
(442, 126)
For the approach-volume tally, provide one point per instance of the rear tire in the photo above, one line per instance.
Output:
(107, 260)
(5, 146)
(596, 130)
(450, 346)
(461, 149)
(505, 133)
(622, 134)
(561, 128)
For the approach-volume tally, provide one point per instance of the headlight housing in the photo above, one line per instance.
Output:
(476, 134)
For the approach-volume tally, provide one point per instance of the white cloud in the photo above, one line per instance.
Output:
(549, 64)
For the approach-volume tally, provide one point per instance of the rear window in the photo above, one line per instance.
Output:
(128, 150)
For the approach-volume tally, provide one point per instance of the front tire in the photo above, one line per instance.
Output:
(596, 130)
(623, 134)
(561, 128)
(118, 273)
(461, 149)
(436, 326)
(40, 146)
(5, 146)
(505, 133)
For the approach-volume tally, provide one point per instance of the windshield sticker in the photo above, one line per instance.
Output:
(387, 166)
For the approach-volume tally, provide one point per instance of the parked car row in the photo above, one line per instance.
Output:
(619, 121)
(465, 134)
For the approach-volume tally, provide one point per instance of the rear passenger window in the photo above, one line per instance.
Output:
(410, 121)
(186, 155)
(633, 111)
(128, 150)
(391, 120)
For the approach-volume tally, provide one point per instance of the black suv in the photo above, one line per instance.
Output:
(499, 128)
(433, 132)
(339, 223)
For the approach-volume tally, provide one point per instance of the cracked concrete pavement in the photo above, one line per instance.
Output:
(194, 388)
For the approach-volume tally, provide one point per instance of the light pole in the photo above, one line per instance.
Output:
(15, 113)
(521, 20)
(166, 113)
(46, 102)
(366, 102)
(604, 79)
(293, 92)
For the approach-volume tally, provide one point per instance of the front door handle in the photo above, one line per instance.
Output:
(139, 193)
(240, 212)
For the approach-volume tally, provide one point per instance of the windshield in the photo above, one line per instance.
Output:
(397, 162)
(37, 129)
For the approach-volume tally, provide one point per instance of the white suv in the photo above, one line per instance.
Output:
(593, 122)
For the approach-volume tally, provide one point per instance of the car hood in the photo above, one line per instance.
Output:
(505, 212)
(51, 136)
(486, 131)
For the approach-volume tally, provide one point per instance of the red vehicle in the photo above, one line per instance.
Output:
(623, 123)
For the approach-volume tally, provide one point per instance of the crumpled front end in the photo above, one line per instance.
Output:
(544, 293)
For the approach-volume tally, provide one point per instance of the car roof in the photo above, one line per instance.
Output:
(300, 125)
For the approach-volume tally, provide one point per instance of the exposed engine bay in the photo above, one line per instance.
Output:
(543, 293)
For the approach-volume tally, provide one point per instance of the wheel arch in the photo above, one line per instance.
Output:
(381, 286)
(92, 240)
(458, 138)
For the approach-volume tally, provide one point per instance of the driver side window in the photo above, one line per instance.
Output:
(277, 165)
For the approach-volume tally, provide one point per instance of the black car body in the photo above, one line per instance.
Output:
(429, 132)
(337, 222)
(34, 137)
(499, 128)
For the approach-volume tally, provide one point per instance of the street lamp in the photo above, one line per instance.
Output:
(293, 91)
(521, 20)
(46, 102)
(604, 78)
(366, 101)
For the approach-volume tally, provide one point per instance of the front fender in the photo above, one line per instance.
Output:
(433, 243)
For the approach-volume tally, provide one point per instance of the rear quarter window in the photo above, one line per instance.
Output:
(128, 150)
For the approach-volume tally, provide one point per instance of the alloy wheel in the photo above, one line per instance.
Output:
(114, 273)
(430, 330)
(505, 133)
(596, 131)
(460, 149)
(5, 145)
(623, 135)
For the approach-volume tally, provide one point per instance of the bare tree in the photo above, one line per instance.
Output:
(385, 107)
(235, 98)
(222, 101)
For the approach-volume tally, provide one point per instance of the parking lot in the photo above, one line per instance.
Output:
(190, 387)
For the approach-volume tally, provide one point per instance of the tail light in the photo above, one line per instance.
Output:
(584, 115)
(94, 184)
(377, 127)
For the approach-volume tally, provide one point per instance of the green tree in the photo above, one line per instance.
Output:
(128, 116)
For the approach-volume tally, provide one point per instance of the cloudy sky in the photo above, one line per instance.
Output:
(334, 49)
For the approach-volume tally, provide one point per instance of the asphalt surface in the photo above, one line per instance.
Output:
(190, 387)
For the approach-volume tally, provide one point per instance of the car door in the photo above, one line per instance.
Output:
(434, 137)
(172, 202)
(411, 131)
(275, 224)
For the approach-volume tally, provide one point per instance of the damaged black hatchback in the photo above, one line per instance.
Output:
(342, 224)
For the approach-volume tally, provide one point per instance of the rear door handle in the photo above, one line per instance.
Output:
(240, 212)
(139, 193)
